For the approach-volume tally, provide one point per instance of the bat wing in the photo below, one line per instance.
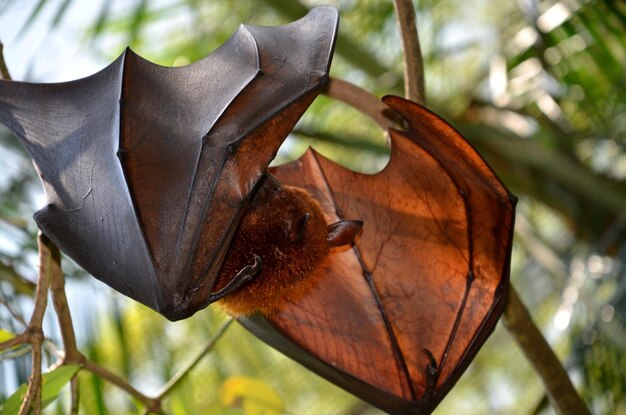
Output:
(148, 169)
(397, 318)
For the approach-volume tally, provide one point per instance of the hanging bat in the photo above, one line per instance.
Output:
(157, 184)
(149, 170)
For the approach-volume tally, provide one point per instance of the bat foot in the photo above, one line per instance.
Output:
(243, 277)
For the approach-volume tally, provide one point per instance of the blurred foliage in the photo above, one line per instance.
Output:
(536, 86)
(52, 383)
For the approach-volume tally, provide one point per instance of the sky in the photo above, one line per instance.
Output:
(44, 55)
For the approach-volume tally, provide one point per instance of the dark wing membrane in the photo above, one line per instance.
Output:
(71, 131)
(148, 169)
(396, 319)
(294, 62)
(166, 114)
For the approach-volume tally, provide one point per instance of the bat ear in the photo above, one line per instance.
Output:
(343, 232)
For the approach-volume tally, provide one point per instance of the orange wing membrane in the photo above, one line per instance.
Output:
(397, 318)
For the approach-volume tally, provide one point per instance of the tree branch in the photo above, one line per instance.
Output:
(152, 404)
(13, 313)
(4, 71)
(64, 318)
(74, 395)
(34, 330)
(74, 356)
(14, 341)
(559, 388)
(363, 101)
(414, 88)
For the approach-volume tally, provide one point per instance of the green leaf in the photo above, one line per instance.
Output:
(5, 335)
(51, 386)
(15, 351)
(253, 396)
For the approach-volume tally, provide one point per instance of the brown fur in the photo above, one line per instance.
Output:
(289, 264)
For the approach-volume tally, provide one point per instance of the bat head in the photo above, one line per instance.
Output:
(287, 229)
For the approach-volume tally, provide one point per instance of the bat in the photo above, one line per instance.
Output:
(157, 183)
(149, 170)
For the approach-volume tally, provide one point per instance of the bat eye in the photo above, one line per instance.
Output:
(298, 228)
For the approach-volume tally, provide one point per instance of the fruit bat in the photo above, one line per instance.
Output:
(157, 184)
(148, 170)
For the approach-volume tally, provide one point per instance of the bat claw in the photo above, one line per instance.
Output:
(431, 372)
(243, 277)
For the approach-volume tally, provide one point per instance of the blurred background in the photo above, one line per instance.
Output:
(537, 86)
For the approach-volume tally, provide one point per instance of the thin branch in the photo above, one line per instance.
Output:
(413, 64)
(74, 395)
(32, 399)
(559, 388)
(59, 300)
(153, 405)
(182, 373)
(362, 100)
(4, 71)
(35, 331)
(12, 311)
(14, 341)
(64, 318)
(345, 140)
